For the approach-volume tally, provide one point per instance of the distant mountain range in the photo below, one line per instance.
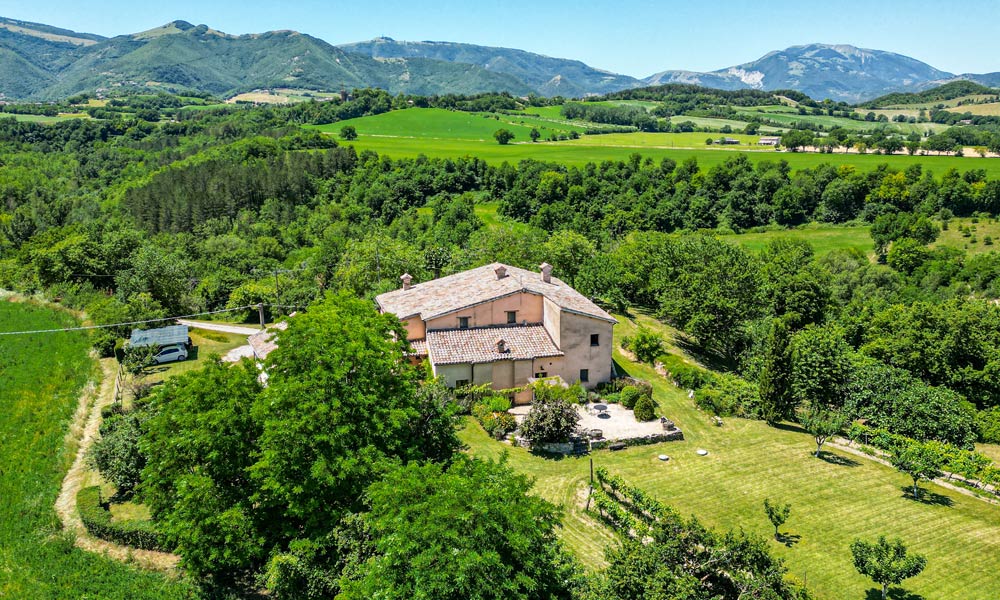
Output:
(44, 62)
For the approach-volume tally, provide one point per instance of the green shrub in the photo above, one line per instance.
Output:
(97, 519)
(612, 398)
(553, 418)
(646, 345)
(494, 418)
(988, 424)
(644, 410)
(684, 375)
(498, 403)
(116, 454)
(729, 395)
(629, 395)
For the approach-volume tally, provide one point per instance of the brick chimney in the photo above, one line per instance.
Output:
(501, 271)
(546, 270)
(406, 278)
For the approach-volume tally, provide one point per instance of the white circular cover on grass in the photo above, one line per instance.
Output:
(702, 452)
(663, 457)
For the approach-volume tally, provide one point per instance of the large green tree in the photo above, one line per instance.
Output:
(886, 562)
(200, 444)
(469, 530)
(775, 380)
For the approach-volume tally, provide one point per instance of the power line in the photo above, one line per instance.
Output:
(108, 325)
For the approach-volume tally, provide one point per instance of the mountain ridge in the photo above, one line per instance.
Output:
(42, 62)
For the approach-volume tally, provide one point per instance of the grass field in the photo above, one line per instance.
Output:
(980, 231)
(40, 380)
(593, 149)
(831, 122)
(823, 238)
(990, 450)
(439, 133)
(991, 109)
(45, 119)
(438, 123)
(833, 501)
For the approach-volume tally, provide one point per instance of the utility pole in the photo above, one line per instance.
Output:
(260, 313)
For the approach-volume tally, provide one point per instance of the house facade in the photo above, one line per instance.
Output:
(504, 326)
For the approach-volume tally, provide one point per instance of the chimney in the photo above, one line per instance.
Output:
(501, 271)
(406, 278)
(501, 346)
(546, 270)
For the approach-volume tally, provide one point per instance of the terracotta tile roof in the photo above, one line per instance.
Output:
(419, 347)
(479, 345)
(438, 297)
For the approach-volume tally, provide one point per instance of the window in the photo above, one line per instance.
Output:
(595, 339)
(463, 322)
(511, 317)
(541, 375)
(461, 383)
(584, 375)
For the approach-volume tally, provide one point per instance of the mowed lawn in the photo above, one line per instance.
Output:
(833, 501)
(41, 377)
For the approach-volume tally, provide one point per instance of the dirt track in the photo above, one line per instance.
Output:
(83, 431)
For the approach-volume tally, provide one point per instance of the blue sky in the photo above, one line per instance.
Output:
(635, 37)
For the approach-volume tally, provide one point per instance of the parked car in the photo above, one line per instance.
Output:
(170, 354)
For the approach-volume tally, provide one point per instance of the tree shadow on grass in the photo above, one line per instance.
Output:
(788, 539)
(793, 427)
(895, 593)
(927, 496)
(836, 459)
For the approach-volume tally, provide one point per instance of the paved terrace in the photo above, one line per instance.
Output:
(617, 423)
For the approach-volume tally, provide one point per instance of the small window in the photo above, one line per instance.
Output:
(461, 383)
(511, 317)
(595, 339)
(463, 322)
(584, 375)
(541, 375)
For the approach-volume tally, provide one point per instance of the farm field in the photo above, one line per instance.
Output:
(41, 378)
(991, 109)
(406, 134)
(833, 501)
(45, 118)
(831, 122)
(438, 123)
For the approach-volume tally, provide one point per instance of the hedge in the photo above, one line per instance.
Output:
(97, 519)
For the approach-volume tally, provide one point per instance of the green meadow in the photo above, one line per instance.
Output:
(440, 133)
(823, 238)
(41, 378)
(834, 500)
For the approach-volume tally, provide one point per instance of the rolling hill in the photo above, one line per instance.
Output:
(546, 75)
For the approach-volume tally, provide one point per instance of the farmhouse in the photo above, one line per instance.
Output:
(504, 326)
(729, 141)
(769, 141)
